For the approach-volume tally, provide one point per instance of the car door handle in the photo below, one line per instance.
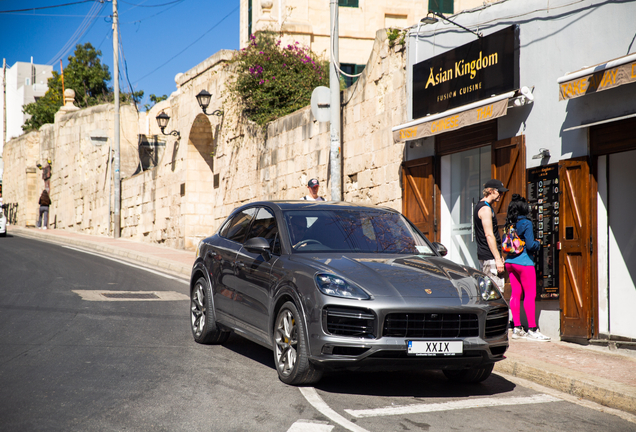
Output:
(240, 264)
(211, 254)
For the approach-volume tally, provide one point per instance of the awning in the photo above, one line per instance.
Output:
(598, 78)
(453, 119)
(600, 122)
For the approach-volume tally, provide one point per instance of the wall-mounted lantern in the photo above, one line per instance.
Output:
(203, 98)
(162, 121)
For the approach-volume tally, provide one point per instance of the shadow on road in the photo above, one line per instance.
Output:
(250, 350)
(413, 384)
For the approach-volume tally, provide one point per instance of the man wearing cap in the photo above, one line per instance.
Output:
(487, 232)
(313, 187)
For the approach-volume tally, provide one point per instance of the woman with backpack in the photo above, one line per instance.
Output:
(520, 267)
(45, 202)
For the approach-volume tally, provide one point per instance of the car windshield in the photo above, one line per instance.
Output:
(359, 231)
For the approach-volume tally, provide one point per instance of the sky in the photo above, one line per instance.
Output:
(160, 38)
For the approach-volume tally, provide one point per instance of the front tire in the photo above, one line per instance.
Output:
(470, 376)
(202, 320)
(290, 348)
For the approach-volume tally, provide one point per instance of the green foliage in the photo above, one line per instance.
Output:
(155, 100)
(395, 37)
(86, 75)
(274, 80)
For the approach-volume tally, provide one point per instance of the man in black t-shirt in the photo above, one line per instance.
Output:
(487, 232)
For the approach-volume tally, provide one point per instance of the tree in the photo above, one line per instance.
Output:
(155, 100)
(85, 74)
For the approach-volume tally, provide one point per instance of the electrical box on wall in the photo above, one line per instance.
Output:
(543, 197)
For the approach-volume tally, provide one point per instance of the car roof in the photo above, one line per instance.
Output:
(315, 205)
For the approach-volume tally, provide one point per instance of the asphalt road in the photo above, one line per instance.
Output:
(74, 360)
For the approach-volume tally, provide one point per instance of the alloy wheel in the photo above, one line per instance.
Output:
(197, 310)
(286, 342)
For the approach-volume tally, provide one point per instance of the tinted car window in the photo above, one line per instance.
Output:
(367, 231)
(237, 229)
(265, 226)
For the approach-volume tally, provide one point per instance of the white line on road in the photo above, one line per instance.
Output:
(316, 401)
(310, 426)
(128, 264)
(454, 405)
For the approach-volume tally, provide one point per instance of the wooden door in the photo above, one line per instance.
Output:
(575, 237)
(509, 166)
(418, 199)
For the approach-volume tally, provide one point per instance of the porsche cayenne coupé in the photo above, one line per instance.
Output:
(342, 286)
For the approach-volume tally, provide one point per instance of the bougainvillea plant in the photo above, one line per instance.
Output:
(275, 79)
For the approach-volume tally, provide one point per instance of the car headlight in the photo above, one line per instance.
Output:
(336, 286)
(487, 288)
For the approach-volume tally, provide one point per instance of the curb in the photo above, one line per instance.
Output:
(604, 392)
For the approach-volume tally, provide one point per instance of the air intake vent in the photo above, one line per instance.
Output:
(497, 322)
(351, 322)
(431, 325)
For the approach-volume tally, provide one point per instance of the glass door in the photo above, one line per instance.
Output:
(462, 186)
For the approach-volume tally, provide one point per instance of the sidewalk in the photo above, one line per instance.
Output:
(607, 377)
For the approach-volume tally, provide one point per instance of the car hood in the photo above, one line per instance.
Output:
(413, 276)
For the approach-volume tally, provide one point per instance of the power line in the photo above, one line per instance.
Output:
(47, 7)
(159, 5)
(86, 24)
(197, 40)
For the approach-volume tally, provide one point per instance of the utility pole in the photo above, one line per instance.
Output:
(334, 87)
(4, 102)
(116, 177)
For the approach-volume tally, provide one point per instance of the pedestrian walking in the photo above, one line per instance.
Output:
(45, 202)
(313, 187)
(487, 232)
(520, 268)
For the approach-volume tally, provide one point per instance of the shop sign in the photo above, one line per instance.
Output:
(599, 81)
(452, 122)
(472, 72)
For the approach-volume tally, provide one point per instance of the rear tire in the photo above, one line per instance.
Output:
(291, 355)
(473, 375)
(202, 317)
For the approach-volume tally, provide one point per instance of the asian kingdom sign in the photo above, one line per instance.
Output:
(472, 72)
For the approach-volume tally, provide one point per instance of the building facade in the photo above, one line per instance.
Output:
(507, 105)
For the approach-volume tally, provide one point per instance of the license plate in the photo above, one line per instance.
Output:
(435, 348)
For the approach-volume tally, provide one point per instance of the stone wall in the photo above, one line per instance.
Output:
(217, 162)
(21, 184)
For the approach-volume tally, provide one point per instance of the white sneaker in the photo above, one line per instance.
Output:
(536, 335)
(44, 228)
(519, 333)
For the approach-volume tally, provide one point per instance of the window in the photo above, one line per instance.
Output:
(348, 3)
(237, 228)
(351, 69)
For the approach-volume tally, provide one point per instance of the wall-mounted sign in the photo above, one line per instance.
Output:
(486, 67)
(599, 78)
(543, 197)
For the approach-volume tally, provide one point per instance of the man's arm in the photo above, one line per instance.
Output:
(485, 214)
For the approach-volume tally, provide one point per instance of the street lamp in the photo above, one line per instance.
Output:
(431, 18)
(162, 121)
(203, 98)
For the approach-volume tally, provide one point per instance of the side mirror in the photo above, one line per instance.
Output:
(257, 245)
(440, 248)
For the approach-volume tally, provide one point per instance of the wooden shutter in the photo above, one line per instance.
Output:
(575, 236)
(418, 200)
(509, 166)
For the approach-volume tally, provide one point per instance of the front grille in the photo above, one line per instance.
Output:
(497, 322)
(431, 325)
(351, 322)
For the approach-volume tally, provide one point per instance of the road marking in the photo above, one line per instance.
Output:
(454, 405)
(316, 401)
(129, 264)
(310, 426)
(101, 295)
